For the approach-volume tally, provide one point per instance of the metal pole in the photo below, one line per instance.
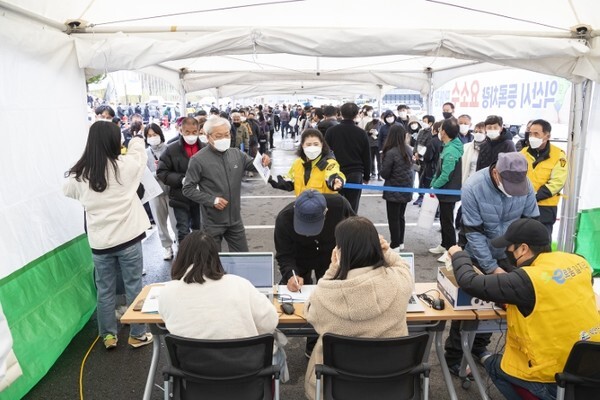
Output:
(578, 124)
(380, 99)
(430, 91)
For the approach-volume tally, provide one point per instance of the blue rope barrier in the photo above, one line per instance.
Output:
(401, 189)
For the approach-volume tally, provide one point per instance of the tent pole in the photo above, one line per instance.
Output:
(429, 91)
(33, 16)
(581, 99)
(380, 99)
(182, 94)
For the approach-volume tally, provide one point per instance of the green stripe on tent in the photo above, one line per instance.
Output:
(587, 242)
(46, 303)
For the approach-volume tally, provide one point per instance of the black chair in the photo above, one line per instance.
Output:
(237, 369)
(580, 380)
(368, 368)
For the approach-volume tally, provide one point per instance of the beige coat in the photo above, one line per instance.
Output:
(369, 303)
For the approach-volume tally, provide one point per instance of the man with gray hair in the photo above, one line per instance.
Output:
(214, 180)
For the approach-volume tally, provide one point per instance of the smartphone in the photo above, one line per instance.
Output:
(138, 305)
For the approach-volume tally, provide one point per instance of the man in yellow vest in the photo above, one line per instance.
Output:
(547, 170)
(550, 305)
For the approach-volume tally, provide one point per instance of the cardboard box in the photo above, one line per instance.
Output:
(457, 297)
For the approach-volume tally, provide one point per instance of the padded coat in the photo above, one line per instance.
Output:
(397, 172)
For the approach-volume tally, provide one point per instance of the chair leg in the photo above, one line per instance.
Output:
(276, 389)
(426, 388)
(560, 393)
(167, 389)
(318, 389)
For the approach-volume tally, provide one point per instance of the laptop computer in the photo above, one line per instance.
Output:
(256, 267)
(414, 304)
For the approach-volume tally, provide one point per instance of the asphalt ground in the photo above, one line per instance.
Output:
(121, 373)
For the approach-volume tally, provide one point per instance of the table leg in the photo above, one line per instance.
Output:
(467, 337)
(439, 349)
(153, 364)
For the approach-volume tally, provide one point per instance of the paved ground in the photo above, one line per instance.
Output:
(121, 374)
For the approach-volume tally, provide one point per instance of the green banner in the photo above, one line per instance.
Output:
(588, 237)
(46, 303)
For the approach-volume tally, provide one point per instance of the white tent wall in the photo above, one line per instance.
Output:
(46, 288)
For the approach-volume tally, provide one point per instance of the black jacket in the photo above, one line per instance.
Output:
(397, 171)
(512, 288)
(305, 253)
(351, 148)
(325, 124)
(172, 167)
(489, 149)
(431, 156)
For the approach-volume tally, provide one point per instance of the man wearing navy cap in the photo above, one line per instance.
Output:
(550, 306)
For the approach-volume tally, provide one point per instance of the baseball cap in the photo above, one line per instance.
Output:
(309, 213)
(512, 168)
(524, 230)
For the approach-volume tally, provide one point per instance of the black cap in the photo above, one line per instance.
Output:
(524, 230)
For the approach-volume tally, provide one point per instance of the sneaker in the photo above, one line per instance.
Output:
(250, 174)
(401, 247)
(442, 259)
(168, 254)
(144, 272)
(455, 370)
(140, 341)
(439, 249)
(483, 356)
(110, 341)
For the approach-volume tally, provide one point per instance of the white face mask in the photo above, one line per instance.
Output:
(389, 120)
(312, 152)
(414, 127)
(153, 141)
(534, 142)
(464, 128)
(402, 114)
(203, 139)
(222, 144)
(370, 113)
(493, 134)
(479, 137)
(243, 119)
(190, 139)
(501, 187)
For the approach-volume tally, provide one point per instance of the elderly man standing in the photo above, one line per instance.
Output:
(214, 180)
(547, 171)
(492, 198)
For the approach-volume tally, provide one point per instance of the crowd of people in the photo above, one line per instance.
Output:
(508, 198)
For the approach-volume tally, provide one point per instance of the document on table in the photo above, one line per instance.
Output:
(264, 172)
(151, 303)
(296, 297)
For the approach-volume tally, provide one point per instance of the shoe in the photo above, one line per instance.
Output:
(442, 259)
(144, 272)
(401, 247)
(143, 340)
(482, 356)
(250, 174)
(110, 341)
(455, 370)
(168, 253)
(437, 250)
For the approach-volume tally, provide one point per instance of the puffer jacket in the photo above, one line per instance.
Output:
(397, 171)
(385, 127)
(368, 303)
(489, 149)
(487, 213)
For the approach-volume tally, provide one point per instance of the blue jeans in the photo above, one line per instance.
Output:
(505, 382)
(130, 261)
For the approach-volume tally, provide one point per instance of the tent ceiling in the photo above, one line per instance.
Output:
(351, 45)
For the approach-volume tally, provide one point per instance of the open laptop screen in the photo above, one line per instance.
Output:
(256, 267)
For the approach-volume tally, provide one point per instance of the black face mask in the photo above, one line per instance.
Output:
(447, 115)
(237, 124)
(510, 255)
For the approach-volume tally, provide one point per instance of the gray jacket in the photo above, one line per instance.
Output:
(213, 174)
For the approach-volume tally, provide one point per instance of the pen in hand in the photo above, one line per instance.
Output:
(296, 279)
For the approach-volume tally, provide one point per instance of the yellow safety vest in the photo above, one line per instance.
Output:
(543, 172)
(537, 346)
(319, 174)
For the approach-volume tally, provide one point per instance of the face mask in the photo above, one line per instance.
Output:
(510, 255)
(203, 139)
(153, 141)
(464, 129)
(312, 152)
(236, 124)
(534, 142)
(190, 139)
(370, 113)
(402, 114)
(414, 127)
(501, 187)
(479, 137)
(389, 120)
(222, 144)
(446, 114)
(494, 134)
(243, 119)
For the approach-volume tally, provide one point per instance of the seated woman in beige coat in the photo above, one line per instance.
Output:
(364, 293)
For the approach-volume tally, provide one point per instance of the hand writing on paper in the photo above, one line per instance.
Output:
(291, 283)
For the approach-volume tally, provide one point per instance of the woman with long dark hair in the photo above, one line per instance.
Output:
(396, 169)
(364, 293)
(106, 183)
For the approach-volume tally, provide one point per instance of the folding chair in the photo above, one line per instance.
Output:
(580, 380)
(373, 368)
(236, 369)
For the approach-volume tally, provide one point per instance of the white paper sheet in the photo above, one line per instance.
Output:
(151, 303)
(264, 172)
(296, 297)
(151, 186)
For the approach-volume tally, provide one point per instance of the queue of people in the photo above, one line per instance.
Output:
(318, 237)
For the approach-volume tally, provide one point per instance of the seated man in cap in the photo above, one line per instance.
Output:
(305, 238)
(546, 290)
(492, 199)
